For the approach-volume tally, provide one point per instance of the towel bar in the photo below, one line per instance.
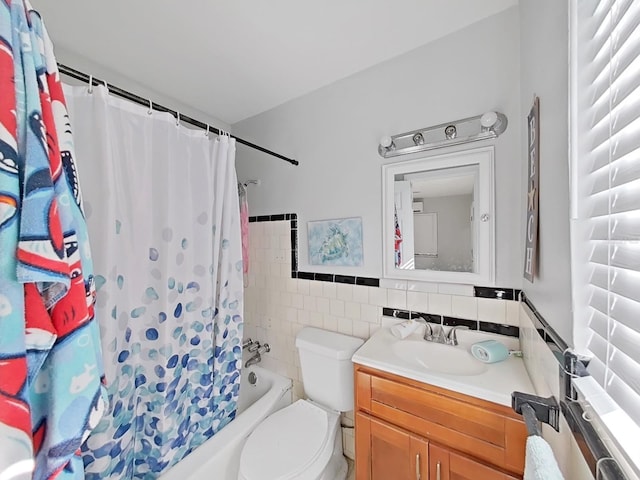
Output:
(530, 420)
(541, 409)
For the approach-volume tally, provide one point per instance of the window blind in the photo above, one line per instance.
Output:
(606, 195)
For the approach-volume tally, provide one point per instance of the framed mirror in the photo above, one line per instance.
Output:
(438, 218)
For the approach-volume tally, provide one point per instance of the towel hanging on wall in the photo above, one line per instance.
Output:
(244, 229)
(540, 463)
(51, 393)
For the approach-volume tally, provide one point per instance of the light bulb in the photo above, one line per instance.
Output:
(386, 141)
(489, 119)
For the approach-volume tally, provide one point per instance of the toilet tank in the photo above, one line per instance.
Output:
(327, 370)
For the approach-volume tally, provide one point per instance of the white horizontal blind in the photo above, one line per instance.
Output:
(606, 194)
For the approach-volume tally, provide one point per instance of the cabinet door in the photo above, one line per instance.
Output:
(385, 452)
(447, 465)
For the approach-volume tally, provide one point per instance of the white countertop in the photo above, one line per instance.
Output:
(494, 385)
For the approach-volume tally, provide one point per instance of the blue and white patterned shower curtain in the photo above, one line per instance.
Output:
(162, 209)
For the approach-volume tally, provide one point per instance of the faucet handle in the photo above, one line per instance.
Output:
(265, 348)
(247, 343)
(452, 338)
(255, 346)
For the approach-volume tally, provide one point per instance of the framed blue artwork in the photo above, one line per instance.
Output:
(335, 242)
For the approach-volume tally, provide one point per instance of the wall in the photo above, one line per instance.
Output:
(94, 68)
(334, 133)
(543, 368)
(544, 49)
(544, 44)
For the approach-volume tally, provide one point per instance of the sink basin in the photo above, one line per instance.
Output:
(438, 358)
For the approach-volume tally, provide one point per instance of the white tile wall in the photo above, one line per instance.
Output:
(465, 307)
(277, 306)
(440, 304)
(543, 368)
(492, 310)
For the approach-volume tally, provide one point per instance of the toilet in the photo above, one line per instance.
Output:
(304, 440)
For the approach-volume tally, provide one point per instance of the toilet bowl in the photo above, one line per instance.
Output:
(304, 440)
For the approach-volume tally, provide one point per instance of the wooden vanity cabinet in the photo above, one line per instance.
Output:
(406, 429)
(445, 464)
(386, 452)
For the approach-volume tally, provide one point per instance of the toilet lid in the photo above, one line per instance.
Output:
(285, 443)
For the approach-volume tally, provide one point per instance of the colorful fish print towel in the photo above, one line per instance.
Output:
(51, 374)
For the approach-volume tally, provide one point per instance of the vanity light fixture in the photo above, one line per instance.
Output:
(482, 127)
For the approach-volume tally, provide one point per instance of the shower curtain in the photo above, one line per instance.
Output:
(162, 210)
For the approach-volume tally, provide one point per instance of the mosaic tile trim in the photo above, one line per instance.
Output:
(488, 327)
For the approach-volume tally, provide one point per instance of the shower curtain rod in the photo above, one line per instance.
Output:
(132, 97)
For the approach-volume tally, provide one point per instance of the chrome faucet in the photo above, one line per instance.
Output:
(436, 333)
(257, 356)
(433, 332)
(253, 360)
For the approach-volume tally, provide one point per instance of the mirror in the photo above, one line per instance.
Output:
(438, 218)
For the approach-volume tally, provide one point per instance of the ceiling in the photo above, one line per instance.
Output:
(235, 59)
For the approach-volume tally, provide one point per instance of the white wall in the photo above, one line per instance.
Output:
(544, 71)
(94, 68)
(334, 133)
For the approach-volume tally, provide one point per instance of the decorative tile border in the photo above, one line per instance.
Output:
(495, 292)
(483, 292)
(488, 327)
(555, 342)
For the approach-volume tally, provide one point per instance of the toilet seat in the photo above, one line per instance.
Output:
(293, 443)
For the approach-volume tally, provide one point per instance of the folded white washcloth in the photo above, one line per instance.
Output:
(540, 463)
(404, 329)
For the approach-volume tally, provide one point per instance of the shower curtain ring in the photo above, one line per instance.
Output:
(177, 119)
(90, 89)
(106, 85)
(206, 132)
(150, 111)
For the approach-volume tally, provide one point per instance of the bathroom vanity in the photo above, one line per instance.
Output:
(415, 422)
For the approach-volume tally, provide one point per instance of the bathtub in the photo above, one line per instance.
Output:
(219, 457)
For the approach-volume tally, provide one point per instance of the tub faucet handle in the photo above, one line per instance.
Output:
(247, 343)
(265, 348)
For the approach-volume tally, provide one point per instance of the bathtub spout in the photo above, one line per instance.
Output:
(253, 360)
(259, 350)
